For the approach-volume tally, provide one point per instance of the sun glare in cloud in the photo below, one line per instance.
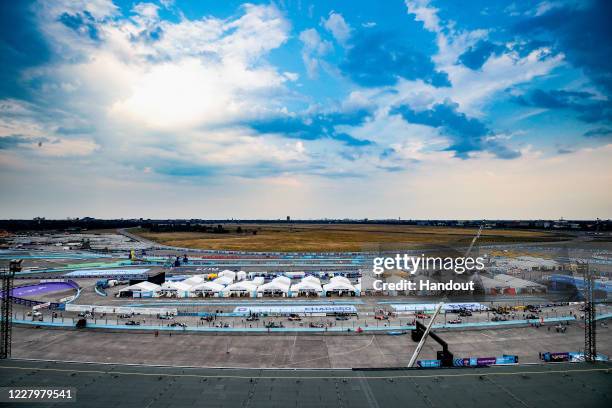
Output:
(178, 95)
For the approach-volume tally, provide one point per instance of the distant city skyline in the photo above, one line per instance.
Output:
(416, 109)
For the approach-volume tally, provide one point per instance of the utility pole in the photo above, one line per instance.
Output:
(590, 324)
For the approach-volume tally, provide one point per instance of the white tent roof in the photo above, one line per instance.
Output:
(274, 285)
(241, 275)
(227, 273)
(194, 280)
(313, 279)
(340, 279)
(142, 287)
(242, 286)
(489, 283)
(208, 287)
(259, 280)
(175, 286)
(223, 280)
(283, 280)
(338, 284)
(517, 282)
(307, 284)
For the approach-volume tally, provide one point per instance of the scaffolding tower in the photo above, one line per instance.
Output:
(590, 324)
(6, 307)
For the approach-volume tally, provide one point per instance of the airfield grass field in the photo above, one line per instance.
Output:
(287, 237)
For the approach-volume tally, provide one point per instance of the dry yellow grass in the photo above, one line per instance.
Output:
(334, 237)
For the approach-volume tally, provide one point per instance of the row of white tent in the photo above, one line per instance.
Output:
(224, 286)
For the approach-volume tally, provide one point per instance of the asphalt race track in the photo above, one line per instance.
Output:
(111, 385)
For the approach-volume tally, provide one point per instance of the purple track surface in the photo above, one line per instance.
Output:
(40, 288)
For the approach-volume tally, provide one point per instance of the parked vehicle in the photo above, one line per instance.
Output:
(381, 317)
(208, 318)
(132, 323)
(294, 318)
(342, 317)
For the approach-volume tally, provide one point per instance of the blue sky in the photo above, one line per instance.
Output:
(215, 109)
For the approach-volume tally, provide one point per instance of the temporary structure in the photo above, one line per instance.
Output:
(194, 280)
(175, 286)
(223, 280)
(242, 288)
(340, 279)
(339, 286)
(277, 287)
(207, 289)
(228, 273)
(306, 287)
(283, 280)
(313, 279)
(142, 289)
(180, 289)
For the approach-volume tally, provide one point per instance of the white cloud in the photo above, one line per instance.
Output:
(313, 48)
(424, 13)
(336, 25)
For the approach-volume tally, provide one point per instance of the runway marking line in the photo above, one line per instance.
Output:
(357, 377)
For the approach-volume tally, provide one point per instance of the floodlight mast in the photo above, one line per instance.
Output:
(417, 351)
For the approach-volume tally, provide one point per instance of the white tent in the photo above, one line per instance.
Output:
(278, 286)
(282, 280)
(207, 288)
(306, 286)
(227, 273)
(312, 279)
(223, 280)
(194, 280)
(241, 275)
(175, 286)
(339, 286)
(340, 279)
(142, 287)
(241, 288)
(259, 280)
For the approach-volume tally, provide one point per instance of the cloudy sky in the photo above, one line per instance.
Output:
(219, 109)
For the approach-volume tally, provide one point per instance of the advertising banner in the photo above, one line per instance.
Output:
(297, 309)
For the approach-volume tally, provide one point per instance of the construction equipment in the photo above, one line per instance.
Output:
(419, 332)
